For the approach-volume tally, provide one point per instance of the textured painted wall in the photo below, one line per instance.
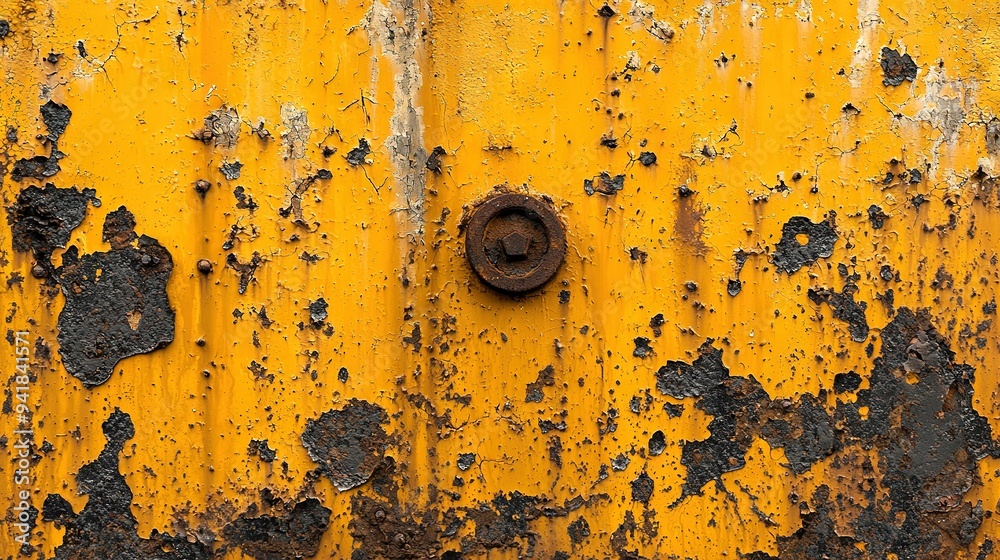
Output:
(233, 268)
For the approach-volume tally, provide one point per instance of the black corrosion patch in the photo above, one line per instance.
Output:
(918, 417)
(348, 443)
(534, 392)
(106, 527)
(605, 184)
(897, 67)
(876, 216)
(845, 309)
(383, 527)
(295, 533)
(116, 301)
(803, 243)
(359, 155)
(42, 219)
(56, 118)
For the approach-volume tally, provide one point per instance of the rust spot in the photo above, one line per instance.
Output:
(897, 68)
(42, 219)
(546, 378)
(348, 443)
(295, 533)
(791, 253)
(116, 301)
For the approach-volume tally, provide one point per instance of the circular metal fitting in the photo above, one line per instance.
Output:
(515, 242)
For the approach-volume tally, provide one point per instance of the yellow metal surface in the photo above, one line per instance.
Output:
(757, 113)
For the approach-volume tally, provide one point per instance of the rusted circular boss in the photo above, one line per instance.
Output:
(515, 242)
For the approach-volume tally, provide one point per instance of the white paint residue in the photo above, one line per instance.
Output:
(705, 16)
(805, 11)
(296, 134)
(944, 103)
(752, 12)
(642, 14)
(868, 20)
(632, 61)
(399, 40)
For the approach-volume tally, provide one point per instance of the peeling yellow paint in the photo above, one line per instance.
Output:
(763, 112)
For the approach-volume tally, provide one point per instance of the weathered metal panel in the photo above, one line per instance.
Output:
(251, 329)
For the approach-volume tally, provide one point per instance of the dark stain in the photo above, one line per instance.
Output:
(657, 443)
(578, 530)
(116, 301)
(318, 311)
(414, 338)
(847, 382)
(673, 410)
(920, 420)
(818, 537)
(381, 528)
(465, 461)
(348, 443)
(555, 448)
(942, 279)
(885, 273)
(638, 255)
(434, 159)
(876, 216)
(546, 378)
(56, 118)
(897, 68)
(606, 11)
(43, 219)
(357, 156)
(734, 287)
(295, 533)
(656, 323)
(647, 158)
(202, 187)
(245, 270)
(106, 527)
(790, 254)
(642, 488)
(4, 28)
(231, 170)
(57, 509)
(503, 523)
(384, 531)
(609, 141)
(620, 538)
(260, 448)
(243, 200)
(564, 296)
(688, 227)
(620, 462)
(548, 425)
(605, 184)
(642, 347)
(845, 309)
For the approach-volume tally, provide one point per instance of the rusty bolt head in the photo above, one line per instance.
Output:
(515, 242)
(38, 271)
(204, 266)
(515, 245)
(201, 186)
